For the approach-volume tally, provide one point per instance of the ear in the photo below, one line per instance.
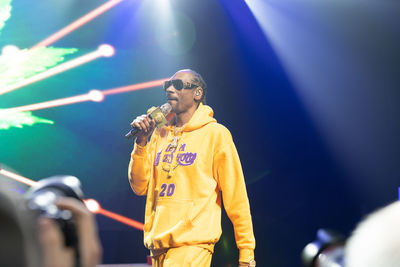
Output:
(198, 93)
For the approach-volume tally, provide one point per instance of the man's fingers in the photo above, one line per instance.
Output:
(143, 123)
(90, 247)
(75, 206)
(147, 123)
(48, 233)
(55, 254)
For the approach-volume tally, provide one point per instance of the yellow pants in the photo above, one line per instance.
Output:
(186, 256)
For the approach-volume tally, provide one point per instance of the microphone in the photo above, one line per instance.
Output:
(158, 114)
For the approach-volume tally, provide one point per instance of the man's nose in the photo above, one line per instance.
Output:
(170, 89)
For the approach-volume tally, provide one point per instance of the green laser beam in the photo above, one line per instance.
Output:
(5, 12)
(25, 63)
(19, 119)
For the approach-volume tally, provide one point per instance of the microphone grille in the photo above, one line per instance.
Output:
(166, 109)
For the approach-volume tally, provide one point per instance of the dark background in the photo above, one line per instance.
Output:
(308, 89)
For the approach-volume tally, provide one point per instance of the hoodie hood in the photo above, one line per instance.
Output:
(201, 117)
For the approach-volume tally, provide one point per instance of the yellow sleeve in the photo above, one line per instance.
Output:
(139, 171)
(231, 182)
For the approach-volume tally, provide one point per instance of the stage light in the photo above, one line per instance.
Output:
(134, 87)
(48, 104)
(9, 51)
(17, 177)
(103, 50)
(121, 219)
(106, 50)
(96, 95)
(93, 95)
(175, 32)
(92, 205)
(76, 24)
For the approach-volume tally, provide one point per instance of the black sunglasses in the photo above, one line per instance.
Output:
(179, 85)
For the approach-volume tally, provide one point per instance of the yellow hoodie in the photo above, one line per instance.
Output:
(184, 184)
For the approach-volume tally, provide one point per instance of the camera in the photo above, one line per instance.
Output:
(41, 199)
(326, 251)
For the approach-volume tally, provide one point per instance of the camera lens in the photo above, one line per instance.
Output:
(326, 251)
(43, 196)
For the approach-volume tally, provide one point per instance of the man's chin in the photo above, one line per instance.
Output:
(173, 103)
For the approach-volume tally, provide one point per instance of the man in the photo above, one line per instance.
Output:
(32, 242)
(183, 169)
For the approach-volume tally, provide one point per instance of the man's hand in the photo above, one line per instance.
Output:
(146, 127)
(245, 264)
(52, 241)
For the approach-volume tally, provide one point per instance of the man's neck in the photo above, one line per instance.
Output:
(184, 117)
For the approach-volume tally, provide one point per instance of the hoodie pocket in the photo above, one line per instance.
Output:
(171, 219)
